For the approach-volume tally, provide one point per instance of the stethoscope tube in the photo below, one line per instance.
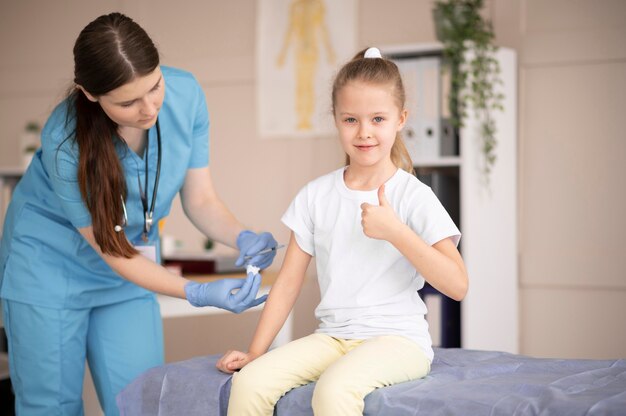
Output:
(147, 213)
(147, 223)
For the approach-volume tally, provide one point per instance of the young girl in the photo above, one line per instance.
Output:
(377, 233)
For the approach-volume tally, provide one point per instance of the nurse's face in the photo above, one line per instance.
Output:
(135, 104)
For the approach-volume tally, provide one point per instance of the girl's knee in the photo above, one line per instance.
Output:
(247, 379)
(251, 394)
(332, 393)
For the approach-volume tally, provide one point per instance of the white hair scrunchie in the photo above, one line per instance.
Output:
(372, 53)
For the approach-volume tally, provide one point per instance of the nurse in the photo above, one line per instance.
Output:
(79, 257)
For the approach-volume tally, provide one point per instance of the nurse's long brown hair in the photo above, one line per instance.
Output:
(109, 52)
(378, 71)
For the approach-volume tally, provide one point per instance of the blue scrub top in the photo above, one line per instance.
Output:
(43, 258)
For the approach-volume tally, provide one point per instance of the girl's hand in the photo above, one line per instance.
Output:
(379, 222)
(233, 361)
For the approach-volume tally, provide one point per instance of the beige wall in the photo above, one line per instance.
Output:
(571, 155)
(572, 94)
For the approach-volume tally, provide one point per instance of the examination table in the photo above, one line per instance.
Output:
(461, 382)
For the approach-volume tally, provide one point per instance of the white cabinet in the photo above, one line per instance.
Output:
(487, 215)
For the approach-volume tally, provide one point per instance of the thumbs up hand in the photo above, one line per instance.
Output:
(379, 221)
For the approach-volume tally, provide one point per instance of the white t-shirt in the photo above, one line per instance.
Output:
(368, 288)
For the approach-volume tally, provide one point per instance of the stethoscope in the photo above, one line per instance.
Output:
(147, 213)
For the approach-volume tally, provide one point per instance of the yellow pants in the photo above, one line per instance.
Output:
(345, 371)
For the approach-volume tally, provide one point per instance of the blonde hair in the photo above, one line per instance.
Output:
(376, 71)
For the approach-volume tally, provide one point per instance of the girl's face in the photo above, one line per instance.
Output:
(367, 118)
(135, 104)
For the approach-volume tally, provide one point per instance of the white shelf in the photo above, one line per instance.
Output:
(488, 213)
(490, 316)
(443, 161)
(414, 48)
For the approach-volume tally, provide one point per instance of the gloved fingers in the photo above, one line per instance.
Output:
(263, 261)
(244, 289)
(263, 241)
(247, 286)
(268, 239)
(250, 244)
(222, 292)
(228, 285)
(258, 301)
(258, 260)
(256, 284)
(258, 245)
(240, 260)
(244, 238)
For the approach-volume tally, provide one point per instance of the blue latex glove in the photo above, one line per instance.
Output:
(219, 293)
(250, 244)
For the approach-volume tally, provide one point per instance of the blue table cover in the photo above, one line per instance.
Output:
(461, 382)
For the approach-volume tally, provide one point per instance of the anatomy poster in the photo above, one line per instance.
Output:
(301, 44)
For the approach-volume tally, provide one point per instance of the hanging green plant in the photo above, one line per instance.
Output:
(469, 52)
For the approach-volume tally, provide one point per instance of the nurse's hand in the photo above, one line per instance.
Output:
(220, 293)
(250, 247)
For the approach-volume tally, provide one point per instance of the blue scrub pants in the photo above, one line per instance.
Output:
(48, 348)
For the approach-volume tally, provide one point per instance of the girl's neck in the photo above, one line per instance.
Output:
(368, 178)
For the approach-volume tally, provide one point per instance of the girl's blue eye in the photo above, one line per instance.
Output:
(378, 119)
(350, 120)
